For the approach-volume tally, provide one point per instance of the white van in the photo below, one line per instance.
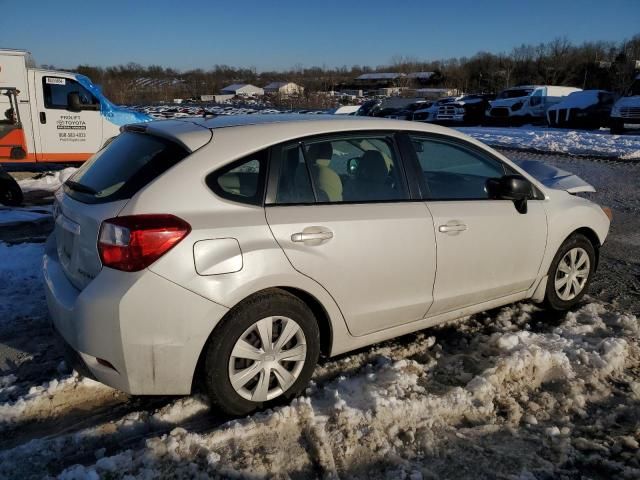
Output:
(53, 116)
(526, 103)
(626, 111)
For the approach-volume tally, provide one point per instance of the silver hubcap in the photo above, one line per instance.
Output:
(267, 358)
(572, 274)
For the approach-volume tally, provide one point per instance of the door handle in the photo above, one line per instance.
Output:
(452, 229)
(311, 236)
(43, 117)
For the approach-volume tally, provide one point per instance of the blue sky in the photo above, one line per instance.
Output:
(280, 34)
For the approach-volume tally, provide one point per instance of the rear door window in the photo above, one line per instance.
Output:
(352, 168)
(126, 165)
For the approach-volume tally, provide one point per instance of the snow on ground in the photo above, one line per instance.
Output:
(21, 295)
(572, 142)
(493, 396)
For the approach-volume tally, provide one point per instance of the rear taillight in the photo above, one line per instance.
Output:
(134, 242)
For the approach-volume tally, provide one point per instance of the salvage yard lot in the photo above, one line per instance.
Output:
(512, 393)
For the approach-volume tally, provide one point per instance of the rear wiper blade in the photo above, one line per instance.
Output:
(78, 187)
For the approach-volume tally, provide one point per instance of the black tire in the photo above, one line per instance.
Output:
(274, 302)
(552, 299)
(10, 191)
(616, 127)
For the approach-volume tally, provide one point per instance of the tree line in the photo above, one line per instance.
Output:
(590, 65)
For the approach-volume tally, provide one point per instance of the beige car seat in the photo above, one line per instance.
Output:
(326, 180)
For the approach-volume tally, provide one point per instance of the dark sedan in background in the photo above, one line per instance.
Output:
(584, 109)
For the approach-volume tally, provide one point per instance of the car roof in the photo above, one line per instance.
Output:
(194, 132)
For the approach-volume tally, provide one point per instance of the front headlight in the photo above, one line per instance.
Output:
(615, 111)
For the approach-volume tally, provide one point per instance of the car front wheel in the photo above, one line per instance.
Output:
(265, 351)
(570, 273)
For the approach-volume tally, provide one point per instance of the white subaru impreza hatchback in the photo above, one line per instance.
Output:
(236, 250)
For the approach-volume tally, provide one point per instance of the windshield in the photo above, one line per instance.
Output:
(515, 93)
(123, 167)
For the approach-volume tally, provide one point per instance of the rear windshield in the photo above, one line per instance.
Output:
(123, 167)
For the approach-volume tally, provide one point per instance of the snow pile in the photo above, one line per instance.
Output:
(572, 142)
(12, 216)
(45, 398)
(49, 181)
(499, 397)
(21, 294)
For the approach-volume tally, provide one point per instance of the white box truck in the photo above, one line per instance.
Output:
(526, 103)
(51, 116)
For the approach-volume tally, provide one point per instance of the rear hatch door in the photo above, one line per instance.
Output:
(100, 189)
(76, 233)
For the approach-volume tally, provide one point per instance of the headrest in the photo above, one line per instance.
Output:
(320, 153)
(372, 167)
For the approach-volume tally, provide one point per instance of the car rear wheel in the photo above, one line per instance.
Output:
(570, 273)
(264, 352)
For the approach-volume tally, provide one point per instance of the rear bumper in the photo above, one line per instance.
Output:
(150, 330)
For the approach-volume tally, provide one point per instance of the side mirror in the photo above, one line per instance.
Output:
(73, 101)
(510, 187)
(352, 166)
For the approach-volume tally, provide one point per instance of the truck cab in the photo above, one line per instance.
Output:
(626, 111)
(526, 103)
(53, 116)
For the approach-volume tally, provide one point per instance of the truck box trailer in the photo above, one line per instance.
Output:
(51, 116)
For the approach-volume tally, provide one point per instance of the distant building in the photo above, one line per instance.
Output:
(216, 98)
(243, 89)
(352, 92)
(284, 88)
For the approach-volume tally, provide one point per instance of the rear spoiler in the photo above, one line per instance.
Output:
(554, 177)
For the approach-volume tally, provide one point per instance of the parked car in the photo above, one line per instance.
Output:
(525, 104)
(429, 112)
(585, 109)
(236, 250)
(465, 110)
(406, 113)
(345, 110)
(626, 111)
(368, 108)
